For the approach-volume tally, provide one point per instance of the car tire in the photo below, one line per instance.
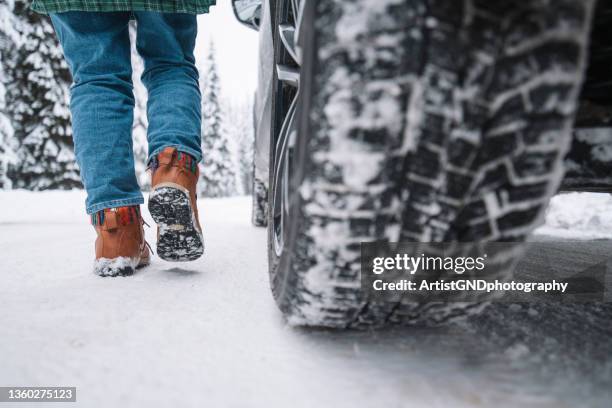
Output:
(259, 212)
(421, 120)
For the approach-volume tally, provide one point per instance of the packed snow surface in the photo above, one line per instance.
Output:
(579, 216)
(208, 334)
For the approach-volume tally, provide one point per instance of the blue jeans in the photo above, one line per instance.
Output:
(97, 49)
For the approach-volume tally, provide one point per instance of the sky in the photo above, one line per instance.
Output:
(236, 49)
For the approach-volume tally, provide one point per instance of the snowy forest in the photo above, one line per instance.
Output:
(36, 150)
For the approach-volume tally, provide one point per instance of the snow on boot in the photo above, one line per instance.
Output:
(120, 246)
(172, 204)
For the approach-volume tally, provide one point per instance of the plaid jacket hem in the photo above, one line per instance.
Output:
(161, 6)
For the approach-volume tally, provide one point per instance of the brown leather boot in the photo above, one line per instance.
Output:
(172, 204)
(120, 246)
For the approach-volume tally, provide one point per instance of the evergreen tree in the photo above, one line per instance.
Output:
(37, 102)
(242, 133)
(8, 41)
(7, 152)
(217, 171)
(141, 123)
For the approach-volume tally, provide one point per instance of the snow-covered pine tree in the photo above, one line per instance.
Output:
(37, 101)
(8, 41)
(139, 127)
(7, 141)
(217, 170)
(241, 132)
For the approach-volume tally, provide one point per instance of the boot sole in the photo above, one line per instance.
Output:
(116, 267)
(179, 238)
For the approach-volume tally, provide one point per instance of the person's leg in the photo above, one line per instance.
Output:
(97, 49)
(166, 43)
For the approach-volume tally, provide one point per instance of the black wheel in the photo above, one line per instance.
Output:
(420, 120)
(287, 14)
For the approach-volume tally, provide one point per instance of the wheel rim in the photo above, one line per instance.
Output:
(287, 67)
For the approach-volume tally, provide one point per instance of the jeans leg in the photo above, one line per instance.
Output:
(97, 49)
(166, 43)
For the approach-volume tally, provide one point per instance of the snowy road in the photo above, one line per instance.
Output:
(207, 334)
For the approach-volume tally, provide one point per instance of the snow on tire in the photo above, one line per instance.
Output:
(259, 212)
(428, 121)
